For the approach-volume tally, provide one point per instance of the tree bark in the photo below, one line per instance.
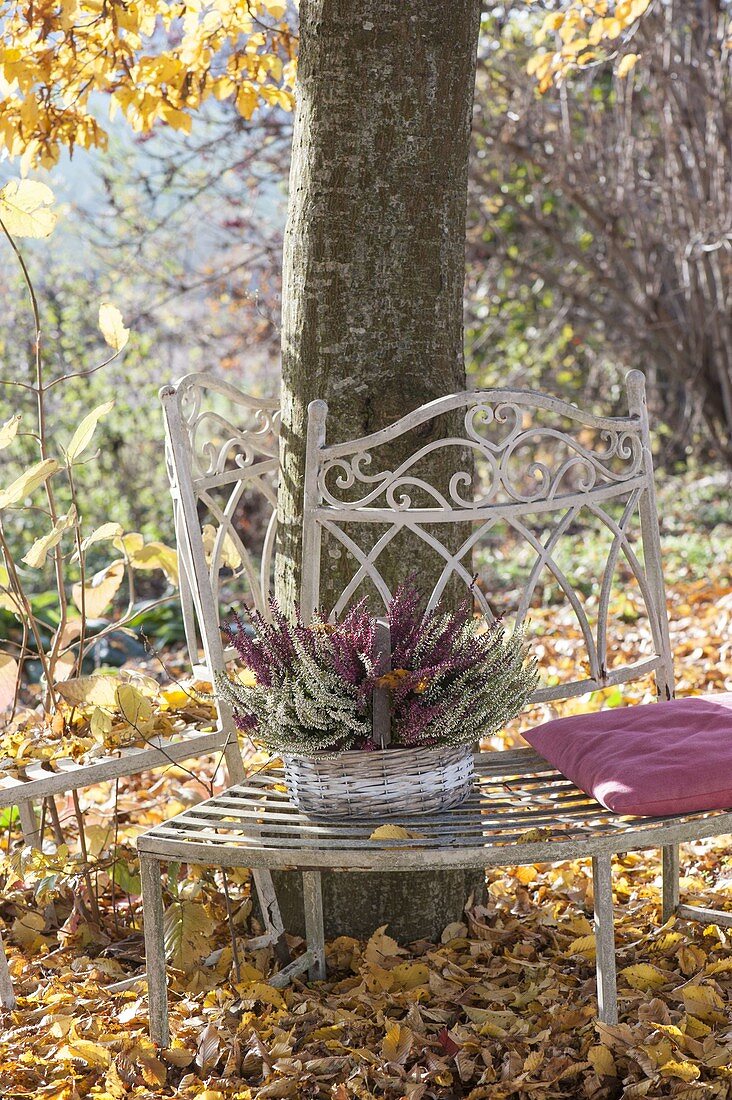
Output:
(374, 260)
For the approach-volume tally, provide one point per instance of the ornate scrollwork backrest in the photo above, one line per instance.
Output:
(222, 453)
(529, 456)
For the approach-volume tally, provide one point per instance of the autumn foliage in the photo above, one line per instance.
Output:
(157, 61)
(503, 1008)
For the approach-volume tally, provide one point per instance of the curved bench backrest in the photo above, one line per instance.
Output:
(222, 451)
(523, 462)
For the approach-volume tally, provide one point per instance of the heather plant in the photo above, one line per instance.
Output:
(309, 689)
(455, 679)
(312, 684)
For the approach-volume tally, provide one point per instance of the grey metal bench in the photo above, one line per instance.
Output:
(536, 460)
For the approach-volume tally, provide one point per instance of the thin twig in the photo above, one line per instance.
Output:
(85, 856)
(230, 921)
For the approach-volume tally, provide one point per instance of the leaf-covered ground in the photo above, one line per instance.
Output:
(504, 1006)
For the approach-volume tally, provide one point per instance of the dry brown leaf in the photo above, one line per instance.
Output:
(601, 1059)
(397, 1044)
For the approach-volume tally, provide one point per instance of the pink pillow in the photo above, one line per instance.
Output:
(656, 759)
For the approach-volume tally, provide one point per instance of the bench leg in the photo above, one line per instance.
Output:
(607, 993)
(30, 824)
(152, 915)
(313, 899)
(670, 853)
(270, 907)
(7, 997)
(234, 762)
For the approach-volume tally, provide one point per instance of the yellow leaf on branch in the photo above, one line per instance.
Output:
(8, 431)
(627, 64)
(112, 326)
(135, 708)
(154, 62)
(36, 556)
(98, 595)
(83, 435)
(8, 680)
(156, 555)
(25, 208)
(24, 485)
(101, 534)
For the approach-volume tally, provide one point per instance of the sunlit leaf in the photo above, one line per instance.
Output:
(112, 326)
(99, 691)
(84, 1050)
(101, 534)
(8, 680)
(627, 64)
(156, 555)
(100, 722)
(9, 430)
(703, 1001)
(99, 594)
(276, 8)
(134, 706)
(36, 556)
(82, 437)
(229, 556)
(683, 1071)
(24, 485)
(644, 976)
(129, 544)
(25, 208)
(208, 1050)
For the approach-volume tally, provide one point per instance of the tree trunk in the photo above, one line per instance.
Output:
(373, 288)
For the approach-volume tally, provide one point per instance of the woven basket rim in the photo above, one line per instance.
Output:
(355, 754)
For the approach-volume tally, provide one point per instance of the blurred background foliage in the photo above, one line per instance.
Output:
(598, 240)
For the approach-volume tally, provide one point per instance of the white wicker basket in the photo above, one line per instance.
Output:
(380, 783)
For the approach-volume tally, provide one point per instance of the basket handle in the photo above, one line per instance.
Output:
(381, 706)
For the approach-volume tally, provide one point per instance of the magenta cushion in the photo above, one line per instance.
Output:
(656, 759)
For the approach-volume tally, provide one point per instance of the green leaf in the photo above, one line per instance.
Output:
(187, 931)
(25, 208)
(82, 437)
(124, 876)
(24, 485)
(9, 816)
